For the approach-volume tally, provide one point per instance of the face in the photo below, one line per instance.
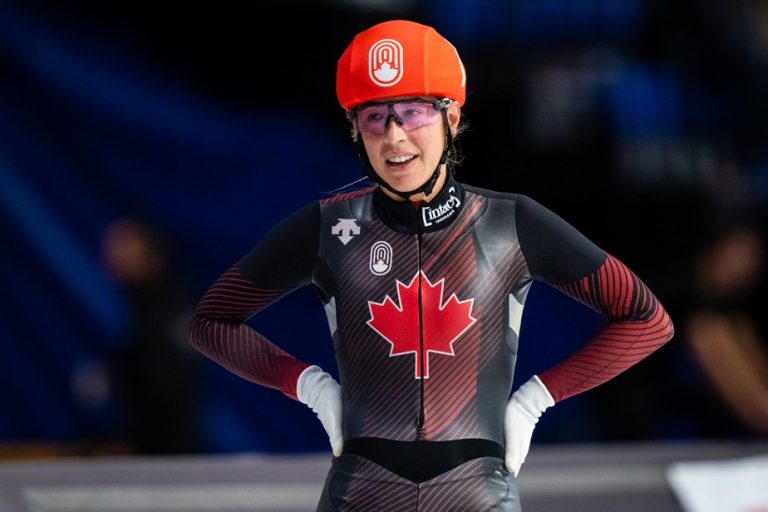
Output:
(405, 156)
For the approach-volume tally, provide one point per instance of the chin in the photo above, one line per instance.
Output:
(406, 183)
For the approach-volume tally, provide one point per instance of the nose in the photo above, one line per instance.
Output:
(393, 130)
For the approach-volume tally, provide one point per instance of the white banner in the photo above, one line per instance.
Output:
(731, 485)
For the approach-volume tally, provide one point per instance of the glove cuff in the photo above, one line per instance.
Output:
(534, 397)
(307, 381)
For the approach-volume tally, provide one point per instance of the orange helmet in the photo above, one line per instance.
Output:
(399, 58)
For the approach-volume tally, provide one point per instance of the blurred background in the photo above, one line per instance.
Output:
(145, 148)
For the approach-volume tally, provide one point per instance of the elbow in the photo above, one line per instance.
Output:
(665, 325)
(670, 330)
(195, 330)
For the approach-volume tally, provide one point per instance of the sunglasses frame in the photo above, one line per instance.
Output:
(440, 105)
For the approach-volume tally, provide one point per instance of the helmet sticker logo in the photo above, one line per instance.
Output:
(381, 258)
(385, 62)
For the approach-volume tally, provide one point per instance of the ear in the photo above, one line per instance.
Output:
(454, 116)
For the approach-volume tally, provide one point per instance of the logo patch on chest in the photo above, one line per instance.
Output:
(420, 322)
(381, 258)
(441, 212)
(345, 229)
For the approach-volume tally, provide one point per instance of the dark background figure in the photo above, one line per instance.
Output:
(157, 378)
(713, 382)
(725, 329)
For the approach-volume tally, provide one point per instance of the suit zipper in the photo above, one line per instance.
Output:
(422, 363)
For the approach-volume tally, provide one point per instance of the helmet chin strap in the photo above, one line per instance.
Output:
(427, 187)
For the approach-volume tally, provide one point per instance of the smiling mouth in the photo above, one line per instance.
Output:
(399, 161)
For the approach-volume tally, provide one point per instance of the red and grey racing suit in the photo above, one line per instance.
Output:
(424, 303)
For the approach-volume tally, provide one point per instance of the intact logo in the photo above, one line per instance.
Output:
(381, 258)
(442, 211)
(385, 62)
(345, 229)
(442, 322)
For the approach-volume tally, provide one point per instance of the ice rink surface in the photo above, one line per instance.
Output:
(572, 478)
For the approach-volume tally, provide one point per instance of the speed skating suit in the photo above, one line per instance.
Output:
(424, 304)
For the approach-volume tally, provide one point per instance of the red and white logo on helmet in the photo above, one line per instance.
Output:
(399, 58)
(385, 62)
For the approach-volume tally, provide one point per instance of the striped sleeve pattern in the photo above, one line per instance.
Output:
(218, 330)
(638, 325)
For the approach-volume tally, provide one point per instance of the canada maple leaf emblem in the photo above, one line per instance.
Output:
(441, 322)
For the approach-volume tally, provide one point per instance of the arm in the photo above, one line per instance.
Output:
(637, 326)
(637, 323)
(283, 261)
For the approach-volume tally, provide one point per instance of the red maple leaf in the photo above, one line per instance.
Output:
(441, 323)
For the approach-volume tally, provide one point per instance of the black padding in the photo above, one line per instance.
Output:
(285, 258)
(555, 251)
(419, 461)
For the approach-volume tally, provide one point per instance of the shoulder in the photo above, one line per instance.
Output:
(348, 196)
(492, 194)
(521, 204)
(355, 203)
(501, 205)
(513, 205)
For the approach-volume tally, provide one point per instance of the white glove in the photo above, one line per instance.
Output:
(322, 394)
(523, 412)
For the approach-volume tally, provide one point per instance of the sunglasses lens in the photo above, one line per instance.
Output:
(373, 118)
(409, 115)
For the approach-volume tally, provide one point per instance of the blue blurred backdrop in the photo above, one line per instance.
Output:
(632, 119)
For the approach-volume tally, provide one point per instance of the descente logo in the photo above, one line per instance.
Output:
(442, 211)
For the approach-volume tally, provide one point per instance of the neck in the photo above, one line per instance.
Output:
(425, 216)
(421, 196)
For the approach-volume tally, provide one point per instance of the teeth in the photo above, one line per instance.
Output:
(400, 159)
